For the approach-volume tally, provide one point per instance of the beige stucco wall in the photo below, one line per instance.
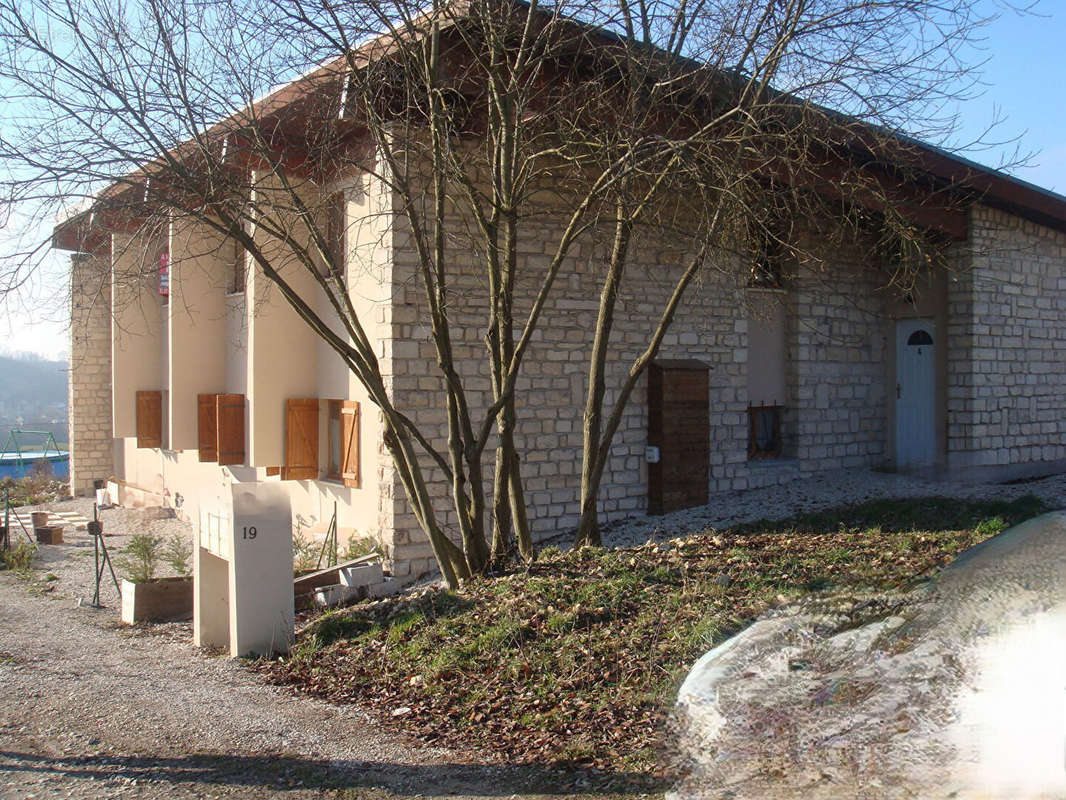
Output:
(253, 343)
(282, 350)
(199, 273)
(137, 327)
(366, 511)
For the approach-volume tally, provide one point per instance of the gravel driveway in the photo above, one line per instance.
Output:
(90, 709)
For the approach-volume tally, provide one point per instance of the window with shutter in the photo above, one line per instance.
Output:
(229, 416)
(149, 419)
(301, 439)
(238, 284)
(336, 238)
(207, 427)
(333, 440)
(350, 438)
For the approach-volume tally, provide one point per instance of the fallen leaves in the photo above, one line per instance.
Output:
(576, 658)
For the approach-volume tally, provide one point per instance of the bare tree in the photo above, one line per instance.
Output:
(481, 119)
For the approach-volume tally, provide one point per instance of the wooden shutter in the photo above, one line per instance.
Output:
(150, 419)
(350, 443)
(207, 427)
(229, 416)
(301, 439)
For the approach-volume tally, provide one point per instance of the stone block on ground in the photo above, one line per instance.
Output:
(362, 575)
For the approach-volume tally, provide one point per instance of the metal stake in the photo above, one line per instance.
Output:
(96, 530)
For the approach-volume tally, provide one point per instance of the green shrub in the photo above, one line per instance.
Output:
(359, 546)
(138, 559)
(178, 554)
(19, 557)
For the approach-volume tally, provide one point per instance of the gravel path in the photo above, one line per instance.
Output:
(823, 491)
(90, 709)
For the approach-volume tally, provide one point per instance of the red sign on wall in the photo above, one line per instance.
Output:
(164, 274)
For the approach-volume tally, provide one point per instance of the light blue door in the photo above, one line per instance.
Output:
(915, 393)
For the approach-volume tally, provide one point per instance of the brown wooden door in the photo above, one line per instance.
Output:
(679, 425)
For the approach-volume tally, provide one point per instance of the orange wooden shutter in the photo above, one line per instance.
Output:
(301, 439)
(229, 414)
(207, 427)
(350, 443)
(150, 419)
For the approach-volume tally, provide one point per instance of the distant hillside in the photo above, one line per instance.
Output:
(34, 389)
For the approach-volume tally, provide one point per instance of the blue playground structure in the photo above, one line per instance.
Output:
(23, 450)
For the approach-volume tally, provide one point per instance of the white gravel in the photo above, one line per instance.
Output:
(73, 561)
(823, 491)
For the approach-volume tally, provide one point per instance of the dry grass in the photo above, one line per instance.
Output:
(576, 659)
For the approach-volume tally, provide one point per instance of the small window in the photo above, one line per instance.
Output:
(237, 287)
(335, 440)
(766, 272)
(764, 431)
(336, 238)
(920, 337)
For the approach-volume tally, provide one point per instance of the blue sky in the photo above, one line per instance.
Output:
(1024, 86)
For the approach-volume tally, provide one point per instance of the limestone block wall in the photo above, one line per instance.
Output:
(91, 450)
(835, 342)
(1006, 370)
(551, 390)
(838, 335)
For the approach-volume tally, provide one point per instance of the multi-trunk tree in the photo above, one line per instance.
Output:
(490, 124)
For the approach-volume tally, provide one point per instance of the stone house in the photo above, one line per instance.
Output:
(202, 375)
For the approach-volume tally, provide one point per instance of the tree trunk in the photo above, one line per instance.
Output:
(588, 532)
(501, 510)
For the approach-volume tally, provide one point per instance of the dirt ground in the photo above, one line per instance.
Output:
(90, 709)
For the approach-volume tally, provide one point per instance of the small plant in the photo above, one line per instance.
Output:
(19, 557)
(138, 559)
(178, 554)
(359, 546)
(992, 526)
(303, 550)
(34, 489)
